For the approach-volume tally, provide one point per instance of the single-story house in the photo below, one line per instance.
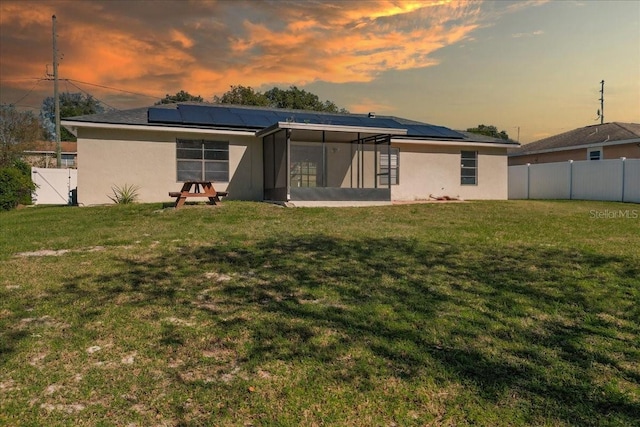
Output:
(598, 142)
(267, 154)
(43, 155)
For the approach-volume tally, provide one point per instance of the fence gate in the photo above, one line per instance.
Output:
(53, 186)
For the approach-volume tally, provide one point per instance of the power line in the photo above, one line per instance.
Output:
(119, 90)
(39, 80)
(21, 78)
(82, 90)
(29, 92)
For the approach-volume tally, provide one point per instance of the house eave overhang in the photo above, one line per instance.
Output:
(577, 147)
(452, 142)
(73, 127)
(326, 127)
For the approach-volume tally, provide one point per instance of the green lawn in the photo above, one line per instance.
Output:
(248, 314)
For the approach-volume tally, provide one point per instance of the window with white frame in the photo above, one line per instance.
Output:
(306, 164)
(469, 168)
(594, 153)
(200, 160)
(68, 160)
(390, 167)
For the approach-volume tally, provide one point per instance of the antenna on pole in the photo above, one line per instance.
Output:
(56, 98)
(601, 110)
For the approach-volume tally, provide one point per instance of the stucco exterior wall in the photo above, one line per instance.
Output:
(435, 170)
(147, 159)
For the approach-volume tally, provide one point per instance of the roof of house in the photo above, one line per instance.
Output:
(482, 138)
(595, 134)
(199, 115)
(46, 147)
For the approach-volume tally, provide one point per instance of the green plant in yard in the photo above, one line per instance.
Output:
(16, 185)
(124, 195)
(511, 313)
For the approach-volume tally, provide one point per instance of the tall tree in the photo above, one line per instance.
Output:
(489, 131)
(299, 99)
(242, 95)
(292, 98)
(19, 130)
(181, 96)
(71, 105)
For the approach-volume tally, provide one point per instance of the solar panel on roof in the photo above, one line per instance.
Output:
(261, 118)
(224, 117)
(448, 132)
(163, 115)
(254, 118)
(432, 131)
(194, 114)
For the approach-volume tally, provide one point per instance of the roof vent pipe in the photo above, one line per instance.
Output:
(372, 115)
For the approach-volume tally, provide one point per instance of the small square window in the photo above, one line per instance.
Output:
(595, 154)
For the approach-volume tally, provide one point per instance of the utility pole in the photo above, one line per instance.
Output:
(56, 98)
(601, 112)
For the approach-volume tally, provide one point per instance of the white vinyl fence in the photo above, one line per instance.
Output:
(614, 180)
(53, 186)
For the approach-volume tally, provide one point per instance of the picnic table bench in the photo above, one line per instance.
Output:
(197, 189)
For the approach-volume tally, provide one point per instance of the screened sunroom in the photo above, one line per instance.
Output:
(311, 162)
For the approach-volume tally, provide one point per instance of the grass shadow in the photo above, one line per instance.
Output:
(502, 321)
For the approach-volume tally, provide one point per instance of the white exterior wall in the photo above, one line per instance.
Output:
(147, 159)
(435, 170)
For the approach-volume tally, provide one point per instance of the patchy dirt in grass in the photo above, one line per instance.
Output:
(53, 388)
(46, 321)
(94, 349)
(44, 252)
(178, 322)
(50, 252)
(7, 385)
(217, 277)
(37, 359)
(69, 409)
(129, 359)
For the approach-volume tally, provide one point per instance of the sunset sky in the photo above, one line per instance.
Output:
(531, 65)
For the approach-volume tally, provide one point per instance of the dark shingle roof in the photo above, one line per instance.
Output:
(136, 116)
(606, 132)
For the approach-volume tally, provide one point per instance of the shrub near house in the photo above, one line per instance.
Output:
(15, 185)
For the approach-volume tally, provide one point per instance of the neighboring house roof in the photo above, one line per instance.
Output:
(606, 133)
(225, 116)
(48, 147)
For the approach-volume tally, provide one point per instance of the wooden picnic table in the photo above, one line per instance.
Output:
(197, 189)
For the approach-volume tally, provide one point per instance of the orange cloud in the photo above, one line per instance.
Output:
(181, 38)
(204, 51)
(409, 33)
